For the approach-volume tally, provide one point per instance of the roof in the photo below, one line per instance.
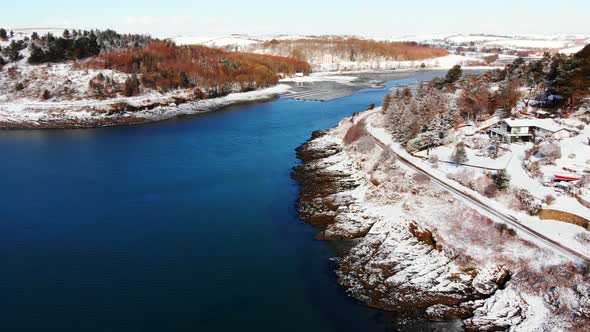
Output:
(545, 124)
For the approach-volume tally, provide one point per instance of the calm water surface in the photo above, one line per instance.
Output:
(184, 225)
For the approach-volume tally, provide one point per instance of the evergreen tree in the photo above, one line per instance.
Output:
(3, 34)
(12, 52)
(454, 74)
(35, 36)
(37, 54)
(459, 155)
(501, 179)
(66, 34)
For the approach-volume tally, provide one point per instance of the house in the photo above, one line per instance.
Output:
(510, 130)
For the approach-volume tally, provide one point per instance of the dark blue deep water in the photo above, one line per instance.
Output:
(183, 225)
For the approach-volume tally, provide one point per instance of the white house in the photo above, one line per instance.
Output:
(511, 130)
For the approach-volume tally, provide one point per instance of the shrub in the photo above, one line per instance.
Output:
(433, 159)
(353, 133)
(534, 168)
(527, 201)
(460, 154)
(131, 87)
(501, 179)
(504, 229)
(491, 190)
(550, 152)
(386, 102)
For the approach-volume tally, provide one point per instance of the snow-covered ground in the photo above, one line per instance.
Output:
(224, 41)
(86, 112)
(60, 95)
(474, 157)
(421, 245)
(331, 63)
(520, 179)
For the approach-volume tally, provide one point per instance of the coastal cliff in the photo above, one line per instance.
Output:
(416, 247)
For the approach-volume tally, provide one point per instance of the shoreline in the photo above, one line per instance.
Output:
(155, 107)
(123, 111)
(414, 246)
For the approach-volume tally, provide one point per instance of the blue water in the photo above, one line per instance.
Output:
(183, 225)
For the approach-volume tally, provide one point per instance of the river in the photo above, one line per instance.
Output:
(183, 225)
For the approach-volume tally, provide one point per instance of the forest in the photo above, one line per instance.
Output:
(423, 117)
(152, 63)
(71, 45)
(352, 49)
(164, 66)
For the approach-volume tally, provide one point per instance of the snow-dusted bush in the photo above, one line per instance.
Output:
(550, 152)
(353, 133)
(433, 159)
(527, 201)
(583, 238)
(533, 167)
(459, 154)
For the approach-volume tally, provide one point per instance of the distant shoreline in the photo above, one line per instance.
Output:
(121, 112)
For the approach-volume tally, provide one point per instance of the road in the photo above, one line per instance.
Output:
(471, 199)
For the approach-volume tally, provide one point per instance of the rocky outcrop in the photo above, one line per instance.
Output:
(397, 265)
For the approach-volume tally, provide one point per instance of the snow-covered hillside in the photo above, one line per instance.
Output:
(71, 94)
(470, 49)
(420, 246)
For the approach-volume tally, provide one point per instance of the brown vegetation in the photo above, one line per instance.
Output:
(165, 66)
(354, 49)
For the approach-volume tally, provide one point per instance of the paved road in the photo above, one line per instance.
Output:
(493, 213)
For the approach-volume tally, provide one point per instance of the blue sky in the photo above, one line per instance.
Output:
(369, 17)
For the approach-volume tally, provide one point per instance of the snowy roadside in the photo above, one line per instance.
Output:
(560, 232)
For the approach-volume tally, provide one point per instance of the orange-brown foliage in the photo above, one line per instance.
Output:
(165, 66)
(357, 49)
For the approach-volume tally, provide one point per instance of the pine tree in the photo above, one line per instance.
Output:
(3, 34)
(66, 34)
(454, 74)
(13, 51)
(502, 179)
(459, 155)
(37, 54)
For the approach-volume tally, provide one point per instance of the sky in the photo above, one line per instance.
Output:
(371, 18)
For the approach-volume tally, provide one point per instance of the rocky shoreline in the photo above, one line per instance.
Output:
(399, 263)
(121, 112)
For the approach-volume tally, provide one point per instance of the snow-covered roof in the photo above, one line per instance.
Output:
(545, 124)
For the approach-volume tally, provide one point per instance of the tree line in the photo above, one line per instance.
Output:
(352, 49)
(165, 66)
(71, 45)
(423, 117)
